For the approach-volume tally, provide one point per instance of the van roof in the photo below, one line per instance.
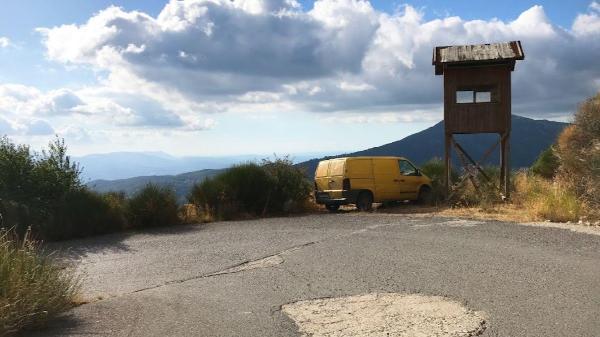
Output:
(367, 157)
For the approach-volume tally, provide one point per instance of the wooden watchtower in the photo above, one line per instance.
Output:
(477, 99)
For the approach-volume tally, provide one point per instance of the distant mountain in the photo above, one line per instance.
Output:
(529, 137)
(181, 183)
(121, 165)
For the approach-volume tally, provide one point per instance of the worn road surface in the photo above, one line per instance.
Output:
(233, 278)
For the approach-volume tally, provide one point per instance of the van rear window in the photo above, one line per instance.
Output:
(322, 169)
(336, 167)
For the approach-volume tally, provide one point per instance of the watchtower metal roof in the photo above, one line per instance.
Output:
(492, 53)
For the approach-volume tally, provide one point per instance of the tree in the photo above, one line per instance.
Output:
(546, 164)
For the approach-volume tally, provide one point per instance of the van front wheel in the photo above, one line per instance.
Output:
(364, 202)
(425, 196)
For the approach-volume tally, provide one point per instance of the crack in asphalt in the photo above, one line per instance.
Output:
(236, 268)
(269, 260)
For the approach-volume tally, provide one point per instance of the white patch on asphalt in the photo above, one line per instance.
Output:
(267, 262)
(451, 223)
(385, 314)
(461, 223)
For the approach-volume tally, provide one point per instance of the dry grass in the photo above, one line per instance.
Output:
(33, 288)
(546, 199)
(502, 212)
(191, 214)
(534, 199)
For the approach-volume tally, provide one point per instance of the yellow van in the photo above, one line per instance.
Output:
(365, 180)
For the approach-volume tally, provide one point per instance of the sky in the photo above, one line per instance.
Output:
(230, 77)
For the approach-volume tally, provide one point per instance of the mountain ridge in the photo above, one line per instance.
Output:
(536, 134)
(419, 147)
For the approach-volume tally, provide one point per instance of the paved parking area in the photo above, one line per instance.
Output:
(232, 278)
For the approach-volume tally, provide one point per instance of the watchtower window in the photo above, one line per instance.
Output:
(474, 96)
(465, 96)
(483, 96)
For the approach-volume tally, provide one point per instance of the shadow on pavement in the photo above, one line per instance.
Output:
(72, 250)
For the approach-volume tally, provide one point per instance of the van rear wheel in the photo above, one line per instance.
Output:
(332, 207)
(364, 202)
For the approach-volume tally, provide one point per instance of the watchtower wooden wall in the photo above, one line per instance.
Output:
(477, 117)
(482, 72)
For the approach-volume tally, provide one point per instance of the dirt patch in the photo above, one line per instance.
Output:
(385, 314)
(507, 213)
(593, 230)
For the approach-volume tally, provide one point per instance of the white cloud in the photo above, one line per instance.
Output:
(7, 127)
(39, 128)
(4, 42)
(588, 23)
(25, 127)
(346, 86)
(199, 57)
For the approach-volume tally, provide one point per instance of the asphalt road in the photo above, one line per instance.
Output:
(214, 280)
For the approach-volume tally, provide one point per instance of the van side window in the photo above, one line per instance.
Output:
(406, 168)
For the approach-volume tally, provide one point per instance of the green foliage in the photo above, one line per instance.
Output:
(434, 169)
(43, 191)
(289, 189)
(273, 187)
(33, 186)
(247, 187)
(33, 288)
(85, 213)
(546, 164)
(487, 192)
(17, 166)
(208, 196)
(153, 206)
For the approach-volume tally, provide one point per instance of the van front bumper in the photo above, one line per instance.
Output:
(342, 197)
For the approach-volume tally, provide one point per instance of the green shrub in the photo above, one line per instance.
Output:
(153, 206)
(290, 187)
(33, 288)
(85, 213)
(247, 188)
(487, 193)
(33, 186)
(435, 169)
(546, 164)
(208, 196)
(273, 187)
(43, 191)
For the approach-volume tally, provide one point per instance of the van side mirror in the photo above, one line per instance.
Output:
(418, 172)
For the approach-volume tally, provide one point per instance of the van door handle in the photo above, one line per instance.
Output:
(332, 181)
(398, 180)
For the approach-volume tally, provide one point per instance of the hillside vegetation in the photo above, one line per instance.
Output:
(181, 184)
(43, 192)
